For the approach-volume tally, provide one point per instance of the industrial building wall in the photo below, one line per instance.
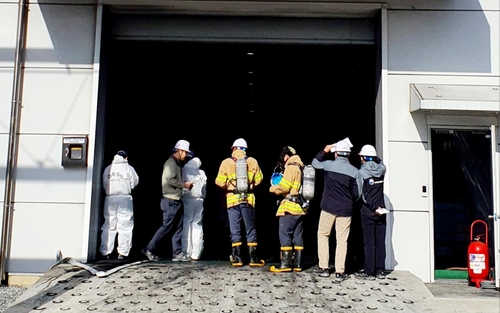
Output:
(8, 23)
(433, 44)
(50, 201)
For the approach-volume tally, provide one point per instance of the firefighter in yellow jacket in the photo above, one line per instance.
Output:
(238, 176)
(290, 211)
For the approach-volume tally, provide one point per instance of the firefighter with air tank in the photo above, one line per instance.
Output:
(239, 175)
(288, 184)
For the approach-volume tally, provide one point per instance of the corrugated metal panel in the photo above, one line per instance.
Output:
(306, 8)
(243, 29)
(432, 97)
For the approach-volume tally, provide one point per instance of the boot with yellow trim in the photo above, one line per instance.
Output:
(236, 255)
(286, 261)
(297, 258)
(252, 252)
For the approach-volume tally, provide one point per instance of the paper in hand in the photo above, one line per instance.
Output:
(382, 211)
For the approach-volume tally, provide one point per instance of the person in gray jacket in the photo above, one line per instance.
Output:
(373, 213)
(118, 180)
(342, 188)
(171, 205)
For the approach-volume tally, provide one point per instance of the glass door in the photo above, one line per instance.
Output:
(464, 178)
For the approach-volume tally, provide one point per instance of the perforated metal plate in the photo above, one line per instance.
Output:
(215, 287)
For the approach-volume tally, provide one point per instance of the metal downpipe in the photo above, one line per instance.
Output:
(22, 23)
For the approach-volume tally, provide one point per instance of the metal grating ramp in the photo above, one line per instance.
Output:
(216, 287)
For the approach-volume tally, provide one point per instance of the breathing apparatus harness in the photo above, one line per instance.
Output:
(297, 198)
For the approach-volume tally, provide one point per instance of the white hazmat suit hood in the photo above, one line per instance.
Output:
(119, 178)
(194, 163)
(192, 232)
(191, 172)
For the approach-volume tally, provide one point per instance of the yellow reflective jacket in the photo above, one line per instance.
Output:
(226, 179)
(289, 186)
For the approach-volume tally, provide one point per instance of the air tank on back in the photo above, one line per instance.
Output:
(308, 183)
(241, 176)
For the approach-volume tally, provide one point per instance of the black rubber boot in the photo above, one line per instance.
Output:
(297, 258)
(252, 252)
(286, 261)
(236, 255)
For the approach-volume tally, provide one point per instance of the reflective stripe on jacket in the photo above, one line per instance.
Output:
(289, 186)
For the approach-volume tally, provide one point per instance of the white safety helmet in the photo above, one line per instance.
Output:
(240, 142)
(182, 145)
(368, 150)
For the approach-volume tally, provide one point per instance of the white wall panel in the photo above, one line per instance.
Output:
(408, 173)
(65, 93)
(6, 77)
(408, 241)
(61, 36)
(443, 41)
(406, 126)
(4, 144)
(494, 22)
(8, 27)
(40, 231)
(40, 176)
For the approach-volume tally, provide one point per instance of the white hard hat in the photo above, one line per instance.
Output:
(368, 150)
(182, 145)
(342, 146)
(240, 142)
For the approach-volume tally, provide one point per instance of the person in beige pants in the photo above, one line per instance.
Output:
(342, 188)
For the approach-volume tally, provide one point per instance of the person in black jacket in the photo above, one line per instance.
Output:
(373, 213)
(342, 188)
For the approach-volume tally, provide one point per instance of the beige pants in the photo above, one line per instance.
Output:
(342, 227)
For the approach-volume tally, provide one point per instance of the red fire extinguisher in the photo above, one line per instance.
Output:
(478, 264)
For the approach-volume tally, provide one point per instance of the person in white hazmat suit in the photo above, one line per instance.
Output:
(192, 231)
(119, 179)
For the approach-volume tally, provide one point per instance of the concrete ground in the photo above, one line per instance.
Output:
(165, 286)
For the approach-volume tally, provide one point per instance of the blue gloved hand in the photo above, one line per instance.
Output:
(276, 178)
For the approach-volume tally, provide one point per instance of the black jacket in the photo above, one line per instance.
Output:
(373, 187)
(342, 184)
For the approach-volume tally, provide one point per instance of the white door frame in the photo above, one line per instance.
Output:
(496, 202)
(495, 186)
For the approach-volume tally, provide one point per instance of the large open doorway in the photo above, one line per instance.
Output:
(462, 192)
(210, 94)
